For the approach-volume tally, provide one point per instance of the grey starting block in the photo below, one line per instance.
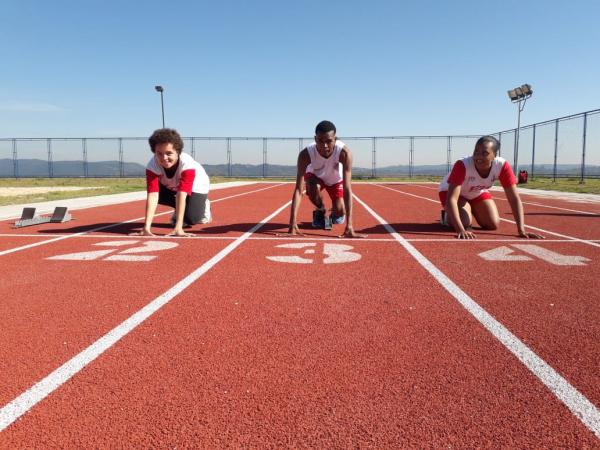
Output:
(328, 223)
(29, 218)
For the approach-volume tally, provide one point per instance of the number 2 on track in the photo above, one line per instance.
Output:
(130, 254)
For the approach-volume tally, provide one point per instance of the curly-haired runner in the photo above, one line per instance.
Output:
(175, 179)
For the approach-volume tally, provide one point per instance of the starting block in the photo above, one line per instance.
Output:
(29, 218)
(328, 223)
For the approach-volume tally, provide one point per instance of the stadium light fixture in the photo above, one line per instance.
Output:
(519, 95)
(162, 105)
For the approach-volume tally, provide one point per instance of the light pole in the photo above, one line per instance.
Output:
(162, 105)
(519, 95)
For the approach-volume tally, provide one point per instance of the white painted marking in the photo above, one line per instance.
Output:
(339, 253)
(571, 238)
(68, 236)
(552, 257)
(147, 246)
(336, 253)
(28, 399)
(503, 254)
(579, 405)
(150, 246)
(116, 243)
(298, 245)
(294, 259)
(130, 258)
(82, 256)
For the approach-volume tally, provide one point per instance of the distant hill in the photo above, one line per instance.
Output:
(30, 168)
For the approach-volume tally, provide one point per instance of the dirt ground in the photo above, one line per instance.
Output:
(16, 191)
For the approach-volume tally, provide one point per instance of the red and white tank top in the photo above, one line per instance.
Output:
(327, 169)
(472, 185)
(189, 177)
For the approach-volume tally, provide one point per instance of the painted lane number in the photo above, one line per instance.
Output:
(333, 253)
(130, 254)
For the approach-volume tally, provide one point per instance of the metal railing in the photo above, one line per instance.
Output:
(563, 147)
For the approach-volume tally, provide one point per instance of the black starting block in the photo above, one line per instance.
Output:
(29, 218)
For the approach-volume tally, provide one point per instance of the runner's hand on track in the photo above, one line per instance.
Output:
(465, 235)
(350, 233)
(180, 233)
(292, 231)
(528, 235)
(142, 233)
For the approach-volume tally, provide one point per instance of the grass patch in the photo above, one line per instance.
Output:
(104, 186)
(590, 185)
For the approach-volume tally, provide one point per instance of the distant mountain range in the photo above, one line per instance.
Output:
(30, 168)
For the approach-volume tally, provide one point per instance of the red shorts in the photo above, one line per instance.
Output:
(485, 196)
(335, 191)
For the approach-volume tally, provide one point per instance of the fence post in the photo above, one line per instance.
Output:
(264, 174)
(411, 156)
(449, 155)
(121, 168)
(500, 141)
(373, 159)
(193, 148)
(555, 149)
(229, 157)
(582, 181)
(49, 148)
(85, 157)
(533, 153)
(15, 159)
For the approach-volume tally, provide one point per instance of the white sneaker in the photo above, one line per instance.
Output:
(207, 214)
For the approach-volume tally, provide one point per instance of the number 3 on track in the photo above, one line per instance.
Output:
(334, 253)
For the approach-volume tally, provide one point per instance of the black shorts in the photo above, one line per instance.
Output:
(195, 205)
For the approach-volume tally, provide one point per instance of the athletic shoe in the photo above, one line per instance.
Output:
(318, 219)
(174, 220)
(207, 214)
(444, 219)
(337, 220)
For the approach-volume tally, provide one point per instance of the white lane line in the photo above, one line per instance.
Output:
(60, 238)
(571, 238)
(541, 205)
(28, 399)
(579, 405)
(307, 238)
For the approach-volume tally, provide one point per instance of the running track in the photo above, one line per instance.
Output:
(409, 338)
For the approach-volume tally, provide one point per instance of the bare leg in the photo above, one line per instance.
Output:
(486, 214)
(464, 210)
(338, 207)
(314, 193)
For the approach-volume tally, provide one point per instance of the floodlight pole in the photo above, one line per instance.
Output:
(162, 105)
(520, 107)
(519, 95)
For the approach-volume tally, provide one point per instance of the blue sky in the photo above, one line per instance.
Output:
(275, 68)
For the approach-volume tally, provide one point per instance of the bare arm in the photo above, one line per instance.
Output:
(180, 201)
(151, 203)
(303, 162)
(346, 161)
(454, 214)
(516, 207)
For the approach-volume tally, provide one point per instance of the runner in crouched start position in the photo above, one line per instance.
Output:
(464, 191)
(175, 179)
(325, 164)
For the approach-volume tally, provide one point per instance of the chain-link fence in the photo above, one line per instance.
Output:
(563, 147)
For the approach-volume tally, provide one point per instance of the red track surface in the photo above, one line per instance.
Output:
(258, 353)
